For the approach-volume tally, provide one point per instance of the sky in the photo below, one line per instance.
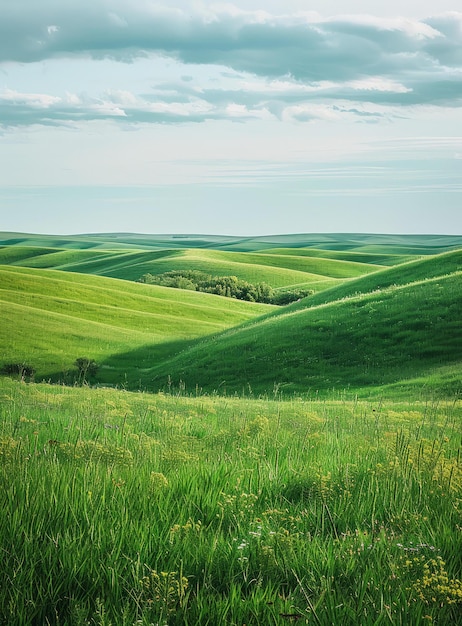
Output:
(231, 118)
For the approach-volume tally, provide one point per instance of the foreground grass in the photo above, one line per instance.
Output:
(121, 508)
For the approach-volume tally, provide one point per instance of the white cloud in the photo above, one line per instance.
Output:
(36, 100)
(377, 83)
(413, 29)
(309, 112)
(240, 111)
(254, 41)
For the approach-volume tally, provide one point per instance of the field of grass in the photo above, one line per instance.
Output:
(58, 259)
(362, 332)
(316, 262)
(136, 509)
(51, 318)
(421, 269)
(301, 465)
(216, 263)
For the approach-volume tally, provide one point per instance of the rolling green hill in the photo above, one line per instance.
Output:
(277, 270)
(51, 318)
(371, 258)
(243, 265)
(385, 336)
(386, 310)
(49, 258)
(326, 432)
(317, 261)
(417, 270)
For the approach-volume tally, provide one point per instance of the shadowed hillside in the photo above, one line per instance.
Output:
(378, 338)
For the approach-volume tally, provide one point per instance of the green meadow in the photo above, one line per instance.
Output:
(231, 462)
(134, 508)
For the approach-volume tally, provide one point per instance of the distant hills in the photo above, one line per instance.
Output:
(412, 244)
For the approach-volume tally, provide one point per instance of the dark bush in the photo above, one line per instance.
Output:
(290, 295)
(87, 368)
(18, 369)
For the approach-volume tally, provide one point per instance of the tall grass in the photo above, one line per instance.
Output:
(121, 508)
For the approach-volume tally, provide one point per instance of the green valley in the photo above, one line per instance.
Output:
(68, 298)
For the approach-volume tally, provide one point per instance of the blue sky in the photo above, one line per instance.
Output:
(226, 118)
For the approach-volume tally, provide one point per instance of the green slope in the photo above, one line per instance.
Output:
(379, 338)
(50, 318)
(128, 265)
(371, 258)
(13, 255)
(367, 324)
(420, 269)
(317, 262)
(276, 270)
(58, 259)
(328, 267)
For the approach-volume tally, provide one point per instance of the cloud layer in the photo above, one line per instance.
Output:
(299, 67)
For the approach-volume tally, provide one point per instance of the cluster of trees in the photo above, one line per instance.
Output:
(228, 286)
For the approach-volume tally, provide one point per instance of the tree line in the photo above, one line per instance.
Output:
(228, 286)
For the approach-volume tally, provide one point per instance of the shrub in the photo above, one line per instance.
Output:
(21, 369)
(86, 367)
(290, 295)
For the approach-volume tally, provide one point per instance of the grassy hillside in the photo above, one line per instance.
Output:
(138, 509)
(330, 494)
(58, 259)
(417, 270)
(51, 318)
(371, 258)
(316, 262)
(367, 324)
(278, 270)
(212, 262)
(379, 338)
(14, 255)
(126, 264)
